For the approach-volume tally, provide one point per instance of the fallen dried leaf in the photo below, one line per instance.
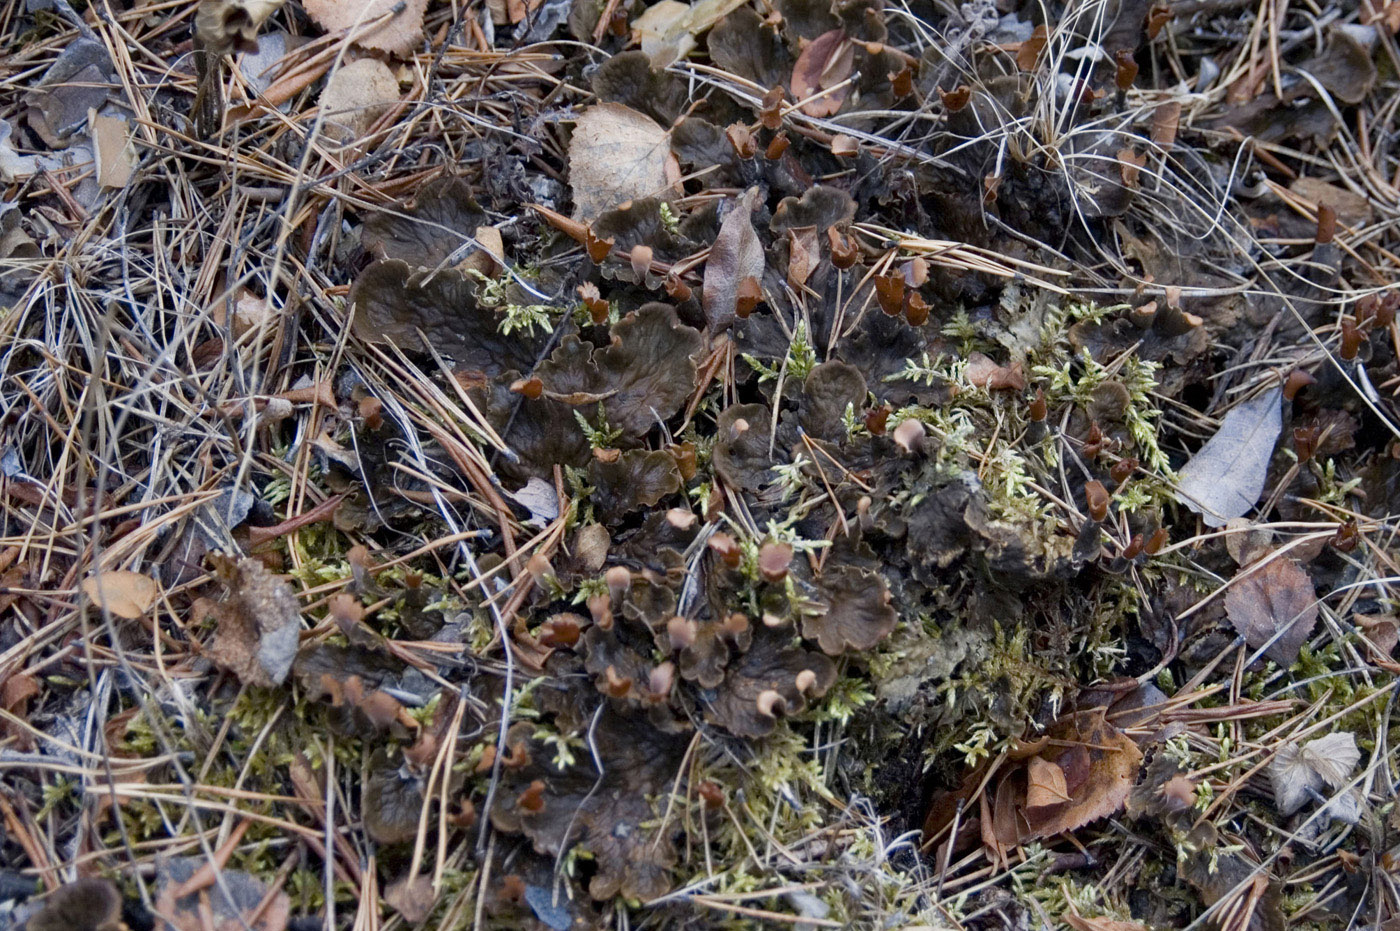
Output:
(399, 35)
(1226, 476)
(1298, 773)
(1274, 604)
(355, 96)
(116, 156)
(618, 154)
(823, 64)
(736, 254)
(258, 624)
(126, 594)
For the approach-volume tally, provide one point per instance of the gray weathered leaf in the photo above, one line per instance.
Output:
(1299, 772)
(1226, 476)
(735, 255)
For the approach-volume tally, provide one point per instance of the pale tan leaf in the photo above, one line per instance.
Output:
(116, 156)
(125, 594)
(662, 32)
(618, 154)
(356, 95)
(399, 35)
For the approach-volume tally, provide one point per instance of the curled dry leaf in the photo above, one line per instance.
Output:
(984, 373)
(236, 901)
(258, 624)
(413, 900)
(1298, 773)
(618, 154)
(1083, 770)
(399, 34)
(735, 256)
(667, 30)
(1275, 602)
(126, 594)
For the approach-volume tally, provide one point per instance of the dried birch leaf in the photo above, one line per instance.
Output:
(823, 64)
(399, 35)
(618, 154)
(1276, 598)
(256, 638)
(126, 594)
(413, 900)
(736, 254)
(1226, 476)
(356, 95)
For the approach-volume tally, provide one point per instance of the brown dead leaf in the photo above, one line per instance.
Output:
(1381, 635)
(984, 373)
(1164, 124)
(618, 154)
(737, 254)
(823, 64)
(126, 594)
(116, 156)
(399, 34)
(803, 255)
(413, 900)
(1045, 784)
(258, 625)
(1274, 600)
(1130, 165)
(661, 32)
(355, 96)
(1029, 53)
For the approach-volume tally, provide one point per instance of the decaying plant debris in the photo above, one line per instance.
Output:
(569, 464)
